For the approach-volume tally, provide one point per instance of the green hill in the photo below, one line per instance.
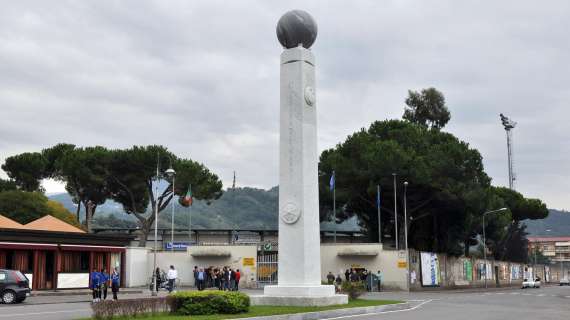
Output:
(239, 208)
(557, 222)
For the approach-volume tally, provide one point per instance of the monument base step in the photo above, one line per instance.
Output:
(299, 301)
(299, 291)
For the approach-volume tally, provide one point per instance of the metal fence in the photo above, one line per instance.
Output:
(267, 269)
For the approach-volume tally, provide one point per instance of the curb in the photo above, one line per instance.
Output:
(76, 293)
(338, 312)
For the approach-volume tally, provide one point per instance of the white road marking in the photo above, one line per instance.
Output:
(381, 312)
(567, 297)
(540, 295)
(515, 293)
(40, 313)
(501, 293)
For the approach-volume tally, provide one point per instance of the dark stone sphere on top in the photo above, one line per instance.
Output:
(296, 27)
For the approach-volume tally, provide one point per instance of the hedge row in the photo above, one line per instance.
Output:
(130, 308)
(182, 303)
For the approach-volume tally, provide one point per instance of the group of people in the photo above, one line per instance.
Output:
(166, 278)
(357, 275)
(100, 282)
(224, 278)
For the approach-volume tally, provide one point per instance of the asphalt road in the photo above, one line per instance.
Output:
(536, 304)
(516, 304)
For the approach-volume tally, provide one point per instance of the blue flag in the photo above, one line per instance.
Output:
(378, 198)
(331, 183)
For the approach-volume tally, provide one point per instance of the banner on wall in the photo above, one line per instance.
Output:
(468, 270)
(429, 268)
(516, 272)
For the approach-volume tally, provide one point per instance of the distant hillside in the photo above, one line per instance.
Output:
(241, 208)
(558, 222)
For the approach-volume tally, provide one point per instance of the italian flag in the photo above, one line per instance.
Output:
(186, 201)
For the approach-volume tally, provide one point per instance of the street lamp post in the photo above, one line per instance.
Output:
(406, 234)
(154, 285)
(484, 240)
(172, 174)
(395, 213)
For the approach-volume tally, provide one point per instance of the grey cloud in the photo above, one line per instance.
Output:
(201, 77)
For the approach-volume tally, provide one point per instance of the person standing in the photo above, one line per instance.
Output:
(95, 282)
(115, 283)
(330, 278)
(238, 277)
(347, 275)
(172, 276)
(232, 279)
(201, 278)
(195, 272)
(104, 283)
(157, 278)
(379, 279)
(354, 276)
(226, 278)
(338, 283)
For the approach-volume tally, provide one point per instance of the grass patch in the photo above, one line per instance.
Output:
(258, 311)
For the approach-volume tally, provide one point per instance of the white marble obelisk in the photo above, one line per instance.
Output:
(299, 273)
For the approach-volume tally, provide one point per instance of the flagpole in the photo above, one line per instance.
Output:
(379, 216)
(334, 205)
(154, 288)
(395, 212)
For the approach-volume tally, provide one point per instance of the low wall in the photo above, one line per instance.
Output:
(462, 272)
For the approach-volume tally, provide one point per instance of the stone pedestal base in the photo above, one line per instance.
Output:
(299, 296)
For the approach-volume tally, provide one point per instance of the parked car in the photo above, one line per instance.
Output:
(565, 282)
(14, 286)
(529, 283)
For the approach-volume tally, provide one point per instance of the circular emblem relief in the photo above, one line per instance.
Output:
(310, 95)
(290, 213)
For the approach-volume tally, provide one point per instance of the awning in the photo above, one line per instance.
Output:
(81, 247)
(27, 246)
(370, 252)
(210, 252)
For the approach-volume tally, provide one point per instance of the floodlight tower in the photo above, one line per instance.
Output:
(509, 124)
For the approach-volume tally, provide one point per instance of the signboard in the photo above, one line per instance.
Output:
(248, 262)
(429, 268)
(267, 246)
(402, 264)
(178, 246)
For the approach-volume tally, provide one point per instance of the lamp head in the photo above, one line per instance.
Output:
(170, 172)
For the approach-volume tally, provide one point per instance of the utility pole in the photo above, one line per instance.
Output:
(509, 124)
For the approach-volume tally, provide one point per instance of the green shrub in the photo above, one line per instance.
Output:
(209, 302)
(353, 289)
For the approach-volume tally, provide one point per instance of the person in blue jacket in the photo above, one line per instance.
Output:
(115, 283)
(95, 284)
(104, 282)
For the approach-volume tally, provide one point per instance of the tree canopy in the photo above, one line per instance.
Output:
(427, 108)
(94, 174)
(133, 181)
(24, 207)
(448, 190)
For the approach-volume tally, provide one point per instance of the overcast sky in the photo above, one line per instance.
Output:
(201, 77)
